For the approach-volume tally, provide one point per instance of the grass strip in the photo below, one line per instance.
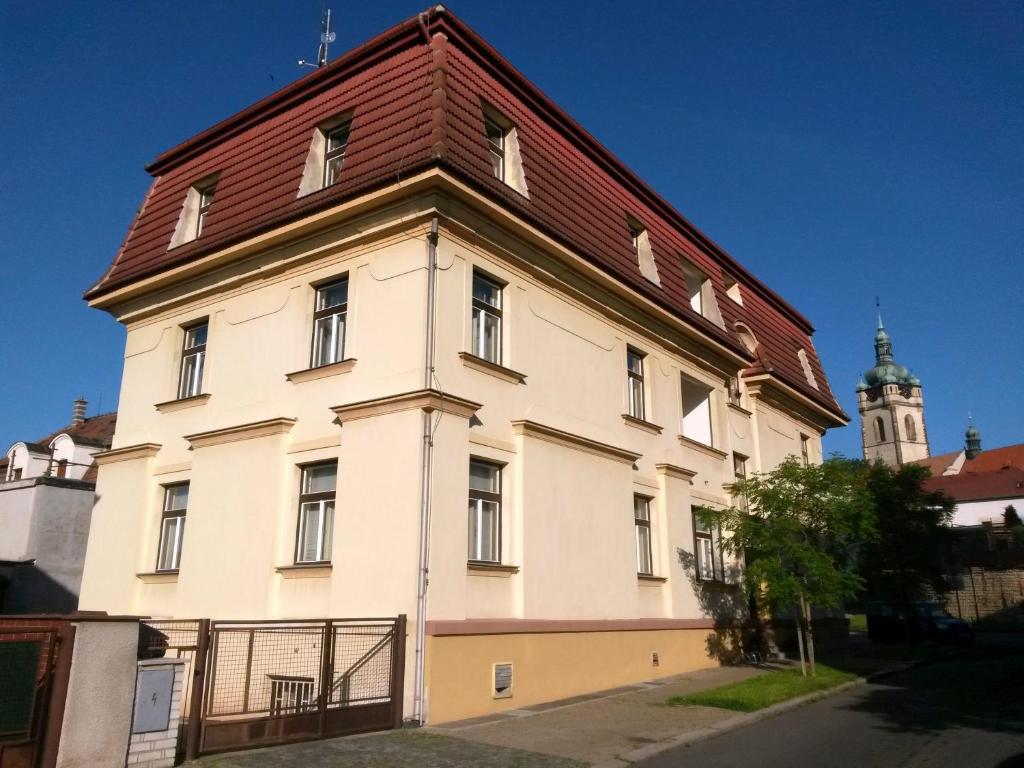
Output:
(764, 690)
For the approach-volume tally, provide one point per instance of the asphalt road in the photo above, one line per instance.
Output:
(966, 712)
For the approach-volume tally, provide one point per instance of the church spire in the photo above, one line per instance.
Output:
(972, 439)
(883, 344)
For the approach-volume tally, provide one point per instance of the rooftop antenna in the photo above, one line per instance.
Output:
(326, 38)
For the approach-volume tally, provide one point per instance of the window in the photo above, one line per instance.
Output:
(193, 357)
(879, 430)
(316, 512)
(732, 290)
(496, 147)
(486, 318)
(635, 383)
(805, 450)
(739, 473)
(205, 201)
(335, 143)
(644, 254)
(330, 309)
(484, 512)
(503, 150)
(696, 411)
(708, 553)
(172, 527)
(642, 524)
(700, 293)
(806, 365)
(911, 427)
(290, 694)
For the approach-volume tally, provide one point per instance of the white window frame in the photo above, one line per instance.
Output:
(336, 317)
(698, 414)
(324, 503)
(636, 387)
(334, 157)
(205, 203)
(485, 503)
(481, 312)
(190, 378)
(172, 519)
(643, 535)
(707, 551)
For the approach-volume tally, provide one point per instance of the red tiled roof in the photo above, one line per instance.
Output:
(95, 430)
(976, 486)
(996, 459)
(938, 464)
(415, 95)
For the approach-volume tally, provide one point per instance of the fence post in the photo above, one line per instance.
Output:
(325, 674)
(398, 671)
(195, 709)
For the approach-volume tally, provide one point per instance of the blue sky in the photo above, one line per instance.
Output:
(840, 150)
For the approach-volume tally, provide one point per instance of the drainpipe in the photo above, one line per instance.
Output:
(419, 714)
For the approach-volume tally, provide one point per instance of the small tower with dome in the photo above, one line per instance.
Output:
(891, 408)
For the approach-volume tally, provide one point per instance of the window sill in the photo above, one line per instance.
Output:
(707, 449)
(322, 372)
(491, 569)
(486, 366)
(740, 409)
(650, 578)
(182, 404)
(305, 571)
(158, 577)
(646, 426)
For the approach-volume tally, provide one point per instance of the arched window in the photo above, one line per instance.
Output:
(908, 422)
(879, 429)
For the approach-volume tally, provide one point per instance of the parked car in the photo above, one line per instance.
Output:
(887, 623)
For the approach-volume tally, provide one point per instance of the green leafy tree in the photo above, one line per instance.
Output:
(797, 530)
(912, 551)
(1010, 517)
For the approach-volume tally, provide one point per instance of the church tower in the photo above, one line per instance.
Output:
(891, 409)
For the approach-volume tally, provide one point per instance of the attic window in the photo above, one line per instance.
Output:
(806, 365)
(732, 290)
(194, 212)
(503, 150)
(327, 149)
(642, 247)
(701, 293)
(746, 337)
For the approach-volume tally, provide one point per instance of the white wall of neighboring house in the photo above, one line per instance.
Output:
(988, 511)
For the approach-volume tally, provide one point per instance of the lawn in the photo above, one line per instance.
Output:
(764, 690)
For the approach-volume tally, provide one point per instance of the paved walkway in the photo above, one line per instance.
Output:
(597, 730)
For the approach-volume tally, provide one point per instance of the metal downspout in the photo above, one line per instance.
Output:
(427, 451)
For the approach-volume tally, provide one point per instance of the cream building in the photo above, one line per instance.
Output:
(403, 338)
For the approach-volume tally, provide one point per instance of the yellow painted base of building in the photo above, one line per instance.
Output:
(548, 666)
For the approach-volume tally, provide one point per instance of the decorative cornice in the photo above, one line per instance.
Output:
(646, 426)
(425, 399)
(686, 442)
(265, 428)
(128, 453)
(486, 366)
(321, 372)
(443, 628)
(542, 432)
(679, 473)
(780, 390)
(182, 403)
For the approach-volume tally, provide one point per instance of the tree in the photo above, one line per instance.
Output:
(1010, 517)
(912, 550)
(797, 529)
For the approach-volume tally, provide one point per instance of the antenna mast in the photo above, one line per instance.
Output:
(326, 38)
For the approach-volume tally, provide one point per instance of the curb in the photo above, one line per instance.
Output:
(749, 718)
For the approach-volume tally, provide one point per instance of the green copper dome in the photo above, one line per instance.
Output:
(886, 369)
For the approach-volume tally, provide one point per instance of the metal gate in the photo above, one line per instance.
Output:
(254, 684)
(31, 654)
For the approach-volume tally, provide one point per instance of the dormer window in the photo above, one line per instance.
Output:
(194, 211)
(701, 293)
(805, 363)
(503, 150)
(327, 149)
(335, 143)
(205, 201)
(642, 248)
(732, 290)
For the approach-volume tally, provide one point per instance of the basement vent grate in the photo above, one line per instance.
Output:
(502, 681)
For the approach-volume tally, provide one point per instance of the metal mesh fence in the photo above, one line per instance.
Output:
(362, 664)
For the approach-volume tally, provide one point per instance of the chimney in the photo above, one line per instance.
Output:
(78, 411)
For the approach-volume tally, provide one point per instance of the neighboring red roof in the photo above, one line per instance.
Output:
(415, 94)
(996, 459)
(95, 430)
(978, 486)
(938, 464)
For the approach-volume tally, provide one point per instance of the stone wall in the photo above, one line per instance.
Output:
(987, 593)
